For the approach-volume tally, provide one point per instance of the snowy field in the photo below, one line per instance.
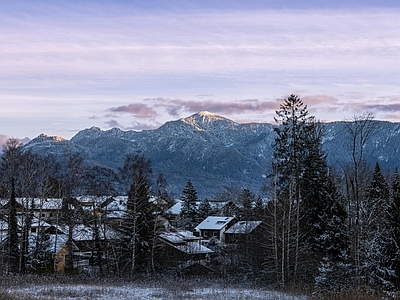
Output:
(132, 291)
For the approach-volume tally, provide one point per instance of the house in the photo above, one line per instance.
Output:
(173, 212)
(246, 240)
(214, 226)
(47, 209)
(114, 210)
(244, 230)
(53, 252)
(182, 248)
(34, 227)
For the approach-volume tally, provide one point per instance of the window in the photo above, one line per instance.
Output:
(205, 234)
(33, 230)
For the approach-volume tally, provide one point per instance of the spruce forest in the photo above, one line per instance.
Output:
(325, 230)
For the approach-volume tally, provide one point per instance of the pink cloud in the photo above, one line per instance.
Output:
(139, 110)
(316, 100)
(237, 107)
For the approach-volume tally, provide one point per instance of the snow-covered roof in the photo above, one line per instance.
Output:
(54, 243)
(172, 237)
(175, 209)
(178, 237)
(39, 203)
(81, 232)
(243, 227)
(193, 248)
(214, 223)
(20, 221)
(119, 204)
(188, 235)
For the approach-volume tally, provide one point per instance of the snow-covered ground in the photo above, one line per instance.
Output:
(123, 292)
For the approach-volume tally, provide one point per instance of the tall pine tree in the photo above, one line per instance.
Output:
(246, 199)
(9, 166)
(323, 207)
(393, 222)
(384, 255)
(290, 150)
(374, 228)
(189, 211)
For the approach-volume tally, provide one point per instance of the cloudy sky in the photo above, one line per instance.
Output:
(70, 65)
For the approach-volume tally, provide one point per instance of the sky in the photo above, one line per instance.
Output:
(70, 65)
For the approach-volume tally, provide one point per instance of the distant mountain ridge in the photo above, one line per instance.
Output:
(212, 151)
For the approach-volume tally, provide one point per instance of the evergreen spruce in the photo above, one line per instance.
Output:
(189, 212)
(290, 150)
(324, 226)
(204, 209)
(9, 165)
(374, 227)
(393, 247)
(384, 255)
(246, 199)
(323, 210)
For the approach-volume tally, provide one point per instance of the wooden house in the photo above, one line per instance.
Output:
(214, 226)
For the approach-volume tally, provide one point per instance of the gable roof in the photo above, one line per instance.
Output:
(178, 237)
(214, 223)
(193, 248)
(243, 227)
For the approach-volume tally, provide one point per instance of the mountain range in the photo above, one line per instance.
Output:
(212, 151)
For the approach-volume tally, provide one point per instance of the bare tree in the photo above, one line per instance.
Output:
(359, 130)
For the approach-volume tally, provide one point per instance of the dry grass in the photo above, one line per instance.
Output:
(29, 287)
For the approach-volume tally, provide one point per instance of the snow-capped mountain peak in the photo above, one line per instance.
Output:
(204, 120)
(49, 138)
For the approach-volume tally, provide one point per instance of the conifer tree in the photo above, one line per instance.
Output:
(323, 210)
(162, 187)
(189, 211)
(393, 247)
(9, 165)
(324, 218)
(290, 150)
(373, 229)
(246, 199)
(204, 209)
(383, 256)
